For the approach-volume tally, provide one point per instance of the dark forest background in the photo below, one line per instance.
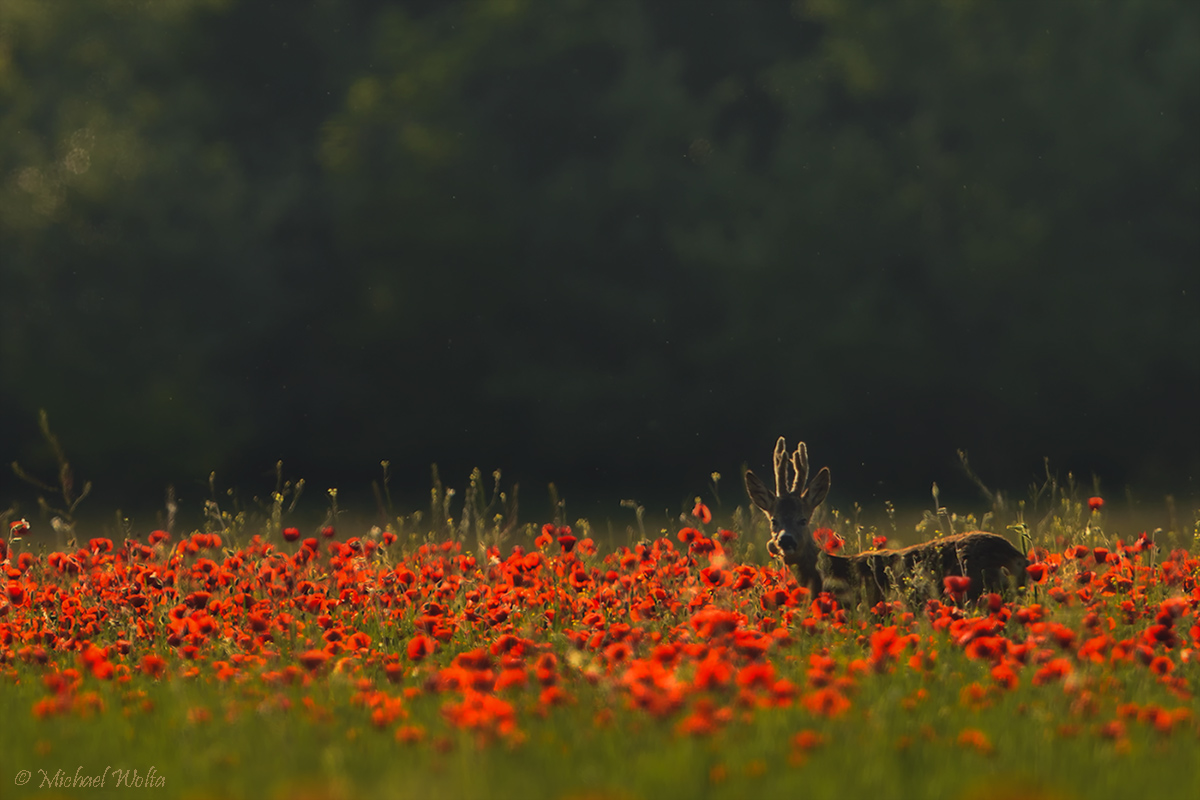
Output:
(615, 244)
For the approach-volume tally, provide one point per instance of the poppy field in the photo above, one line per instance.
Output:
(324, 664)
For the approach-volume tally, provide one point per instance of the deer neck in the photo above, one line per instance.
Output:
(817, 567)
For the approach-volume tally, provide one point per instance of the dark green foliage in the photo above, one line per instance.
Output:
(586, 235)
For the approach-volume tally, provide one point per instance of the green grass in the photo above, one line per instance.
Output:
(260, 753)
(906, 734)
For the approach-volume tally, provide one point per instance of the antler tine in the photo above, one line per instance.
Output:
(800, 464)
(780, 466)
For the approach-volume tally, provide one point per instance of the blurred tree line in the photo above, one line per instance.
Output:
(621, 241)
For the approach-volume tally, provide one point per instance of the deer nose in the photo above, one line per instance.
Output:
(786, 541)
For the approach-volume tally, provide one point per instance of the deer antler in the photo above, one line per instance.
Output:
(800, 465)
(780, 467)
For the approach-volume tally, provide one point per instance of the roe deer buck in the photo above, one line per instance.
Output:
(990, 561)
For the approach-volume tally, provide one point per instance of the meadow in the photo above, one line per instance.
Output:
(475, 659)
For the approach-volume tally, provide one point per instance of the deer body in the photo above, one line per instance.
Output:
(991, 562)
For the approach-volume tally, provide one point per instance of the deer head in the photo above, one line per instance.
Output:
(790, 507)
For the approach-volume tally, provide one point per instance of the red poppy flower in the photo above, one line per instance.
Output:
(313, 660)
(1005, 676)
(956, 586)
(828, 702)
(715, 576)
(975, 739)
(1052, 670)
(580, 578)
(1162, 665)
(807, 740)
(16, 593)
(546, 669)
(291, 534)
(419, 647)
(700, 722)
(713, 621)
(409, 734)
(759, 675)
(553, 696)
(1063, 636)
(702, 513)
(713, 672)
(515, 677)
(828, 539)
(1095, 503)
(153, 665)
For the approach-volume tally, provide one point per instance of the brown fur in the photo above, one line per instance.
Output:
(990, 561)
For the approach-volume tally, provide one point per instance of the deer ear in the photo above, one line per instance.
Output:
(816, 491)
(760, 495)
